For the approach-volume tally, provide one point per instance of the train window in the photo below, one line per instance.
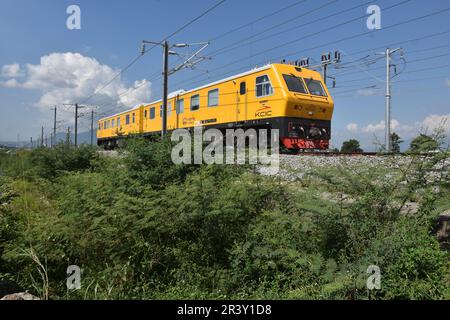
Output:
(213, 98)
(134, 118)
(315, 87)
(295, 84)
(263, 86)
(169, 108)
(152, 113)
(145, 113)
(243, 88)
(118, 122)
(104, 124)
(113, 123)
(127, 119)
(99, 126)
(160, 111)
(195, 102)
(180, 106)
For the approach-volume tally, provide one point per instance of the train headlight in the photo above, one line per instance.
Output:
(302, 130)
(314, 132)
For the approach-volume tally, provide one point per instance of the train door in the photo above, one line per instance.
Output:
(145, 120)
(242, 101)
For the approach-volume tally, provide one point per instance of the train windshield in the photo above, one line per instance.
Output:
(295, 84)
(315, 87)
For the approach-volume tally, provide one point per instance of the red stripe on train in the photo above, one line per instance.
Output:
(296, 143)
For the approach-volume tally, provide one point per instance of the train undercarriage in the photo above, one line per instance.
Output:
(295, 134)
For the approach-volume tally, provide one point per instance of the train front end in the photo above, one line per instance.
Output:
(309, 109)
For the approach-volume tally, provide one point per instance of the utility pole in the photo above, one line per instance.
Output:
(76, 125)
(188, 63)
(165, 87)
(326, 60)
(389, 52)
(31, 142)
(42, 137)
(76, 121)
(387, 124)
(92, 127)
(54, 128)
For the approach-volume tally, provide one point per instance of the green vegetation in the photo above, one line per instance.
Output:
(143, 228)
(396, 141)
(424, 143)
(350, 146)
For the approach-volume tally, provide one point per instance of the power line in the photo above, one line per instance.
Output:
(264, 51)
(130, 90)
(220, 36)
(257, 20)
(400, 81)
(381, 67)
(227, 48)
(329, 43)
(141, 55)
(321, 45)
(394, 44)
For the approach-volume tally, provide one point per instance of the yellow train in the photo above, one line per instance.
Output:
(286, 97)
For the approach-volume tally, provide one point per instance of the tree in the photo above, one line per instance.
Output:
(350, 146)
(395, 142)
(423, 143)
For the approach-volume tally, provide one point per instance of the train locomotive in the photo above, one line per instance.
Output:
(292, 99)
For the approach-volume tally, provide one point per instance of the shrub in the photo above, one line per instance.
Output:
(141, 227)
(49, 163)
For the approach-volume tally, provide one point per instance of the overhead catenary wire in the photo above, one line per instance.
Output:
(277, 46)
(309, 23)
(347, 38)
(129, 65)
(248, 24)
(231, 47)
(234, 30)
(317, 46)
(382, 67)
(407, 80)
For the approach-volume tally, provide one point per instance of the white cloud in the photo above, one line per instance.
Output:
(380, 126)
(368, 92)
(370, 128)
(373, 133)
(72, 77)
(11, 83)
(141, 93)
(429, 124)
(352, 127)
(433, 122)
(10, 70)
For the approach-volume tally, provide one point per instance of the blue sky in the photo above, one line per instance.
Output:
(43, 63)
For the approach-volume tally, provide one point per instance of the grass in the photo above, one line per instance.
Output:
(217, 232)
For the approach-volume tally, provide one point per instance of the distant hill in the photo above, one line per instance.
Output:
(83, 138)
